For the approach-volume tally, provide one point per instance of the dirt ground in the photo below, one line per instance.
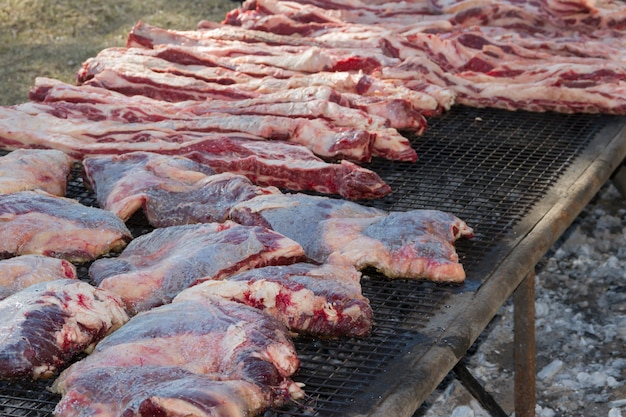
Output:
(51, 38)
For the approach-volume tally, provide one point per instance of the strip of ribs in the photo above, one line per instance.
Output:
(47, 324)
(30, 169)
(170, 190)
(40, 223)
(134, 72)
(322, 103)
(276, 163)
(201, 358)
(412, 244)
(321, 136)
(156, 266)
(23, 271)
(323, 300)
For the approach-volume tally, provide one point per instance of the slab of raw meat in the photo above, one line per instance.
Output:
(156, 266)
(203, 358)
(46, 325)
(26, 270)
(171, 190)
(97, 104)
(323, 300)
(35, 169)
(39, 223)
(412, 244)
(276, 163)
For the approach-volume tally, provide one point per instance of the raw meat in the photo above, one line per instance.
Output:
(97, 104)
(47, 324)
(26, 270)
(204, 358)
(156, 266)
(171, 190)
(35, 169)
(412, 244)
(275, 163)
(34, 222)
(323, 300)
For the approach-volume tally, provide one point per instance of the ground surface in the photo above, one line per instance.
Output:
(51, 38)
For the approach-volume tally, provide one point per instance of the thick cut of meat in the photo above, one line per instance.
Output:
(323, 300)
(156, 266)
(171, 190)
(209, 357)
(39, 223)
(412, 244)
(26, 270)
(276, 163)
(321, 136)
(35, 169)
(97, 104)
(47, 324)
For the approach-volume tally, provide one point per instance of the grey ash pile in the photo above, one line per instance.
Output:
(580, 327)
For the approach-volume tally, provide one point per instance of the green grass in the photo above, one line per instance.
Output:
(47, 38)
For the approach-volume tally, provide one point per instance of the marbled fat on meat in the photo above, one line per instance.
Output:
(39, 223)
(156, 266)
(23, 271)
(322, 300)
(208, 357)
(412, 244)
(35, 169)
(46, 325)
(171, 190)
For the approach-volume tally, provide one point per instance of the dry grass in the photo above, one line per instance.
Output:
(51, 38)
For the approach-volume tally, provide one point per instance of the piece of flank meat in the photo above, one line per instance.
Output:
(35, 169)
(156, 266)
(46, 325)
(171, 190)
(202, 358)
(412, 244)
(26, 270)
(322, 300)
(39, 223)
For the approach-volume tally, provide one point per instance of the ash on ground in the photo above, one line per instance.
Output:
(580, 312)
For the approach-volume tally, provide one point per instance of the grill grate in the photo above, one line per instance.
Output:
(487, 166)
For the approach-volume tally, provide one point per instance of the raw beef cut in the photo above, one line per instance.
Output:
(34, 222)
(266, 163)
(97, 104)
(171, 190)
(412, 244)
(35, 169)
(156, 266)
(208, 357)
(47, 324)
(323, 300)
(26, 270)
(320, 136)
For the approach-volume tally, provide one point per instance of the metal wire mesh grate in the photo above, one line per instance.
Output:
(489, 167)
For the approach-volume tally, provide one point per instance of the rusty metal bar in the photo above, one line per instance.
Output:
(524, 347)
(619, 179)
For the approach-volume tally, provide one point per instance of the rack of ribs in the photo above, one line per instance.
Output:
(46, 325)
(23, 271)
(156, 266)
(322, 300)
(35, 169)
(39, 223)
(412, 244)
(204, 358)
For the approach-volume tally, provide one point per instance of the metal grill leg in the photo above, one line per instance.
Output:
(619, 179)
(476, 389)
(524, 347)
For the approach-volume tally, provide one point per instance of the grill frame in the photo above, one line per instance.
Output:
(421, 329)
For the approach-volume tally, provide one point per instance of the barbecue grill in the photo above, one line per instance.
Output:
(518, 178)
